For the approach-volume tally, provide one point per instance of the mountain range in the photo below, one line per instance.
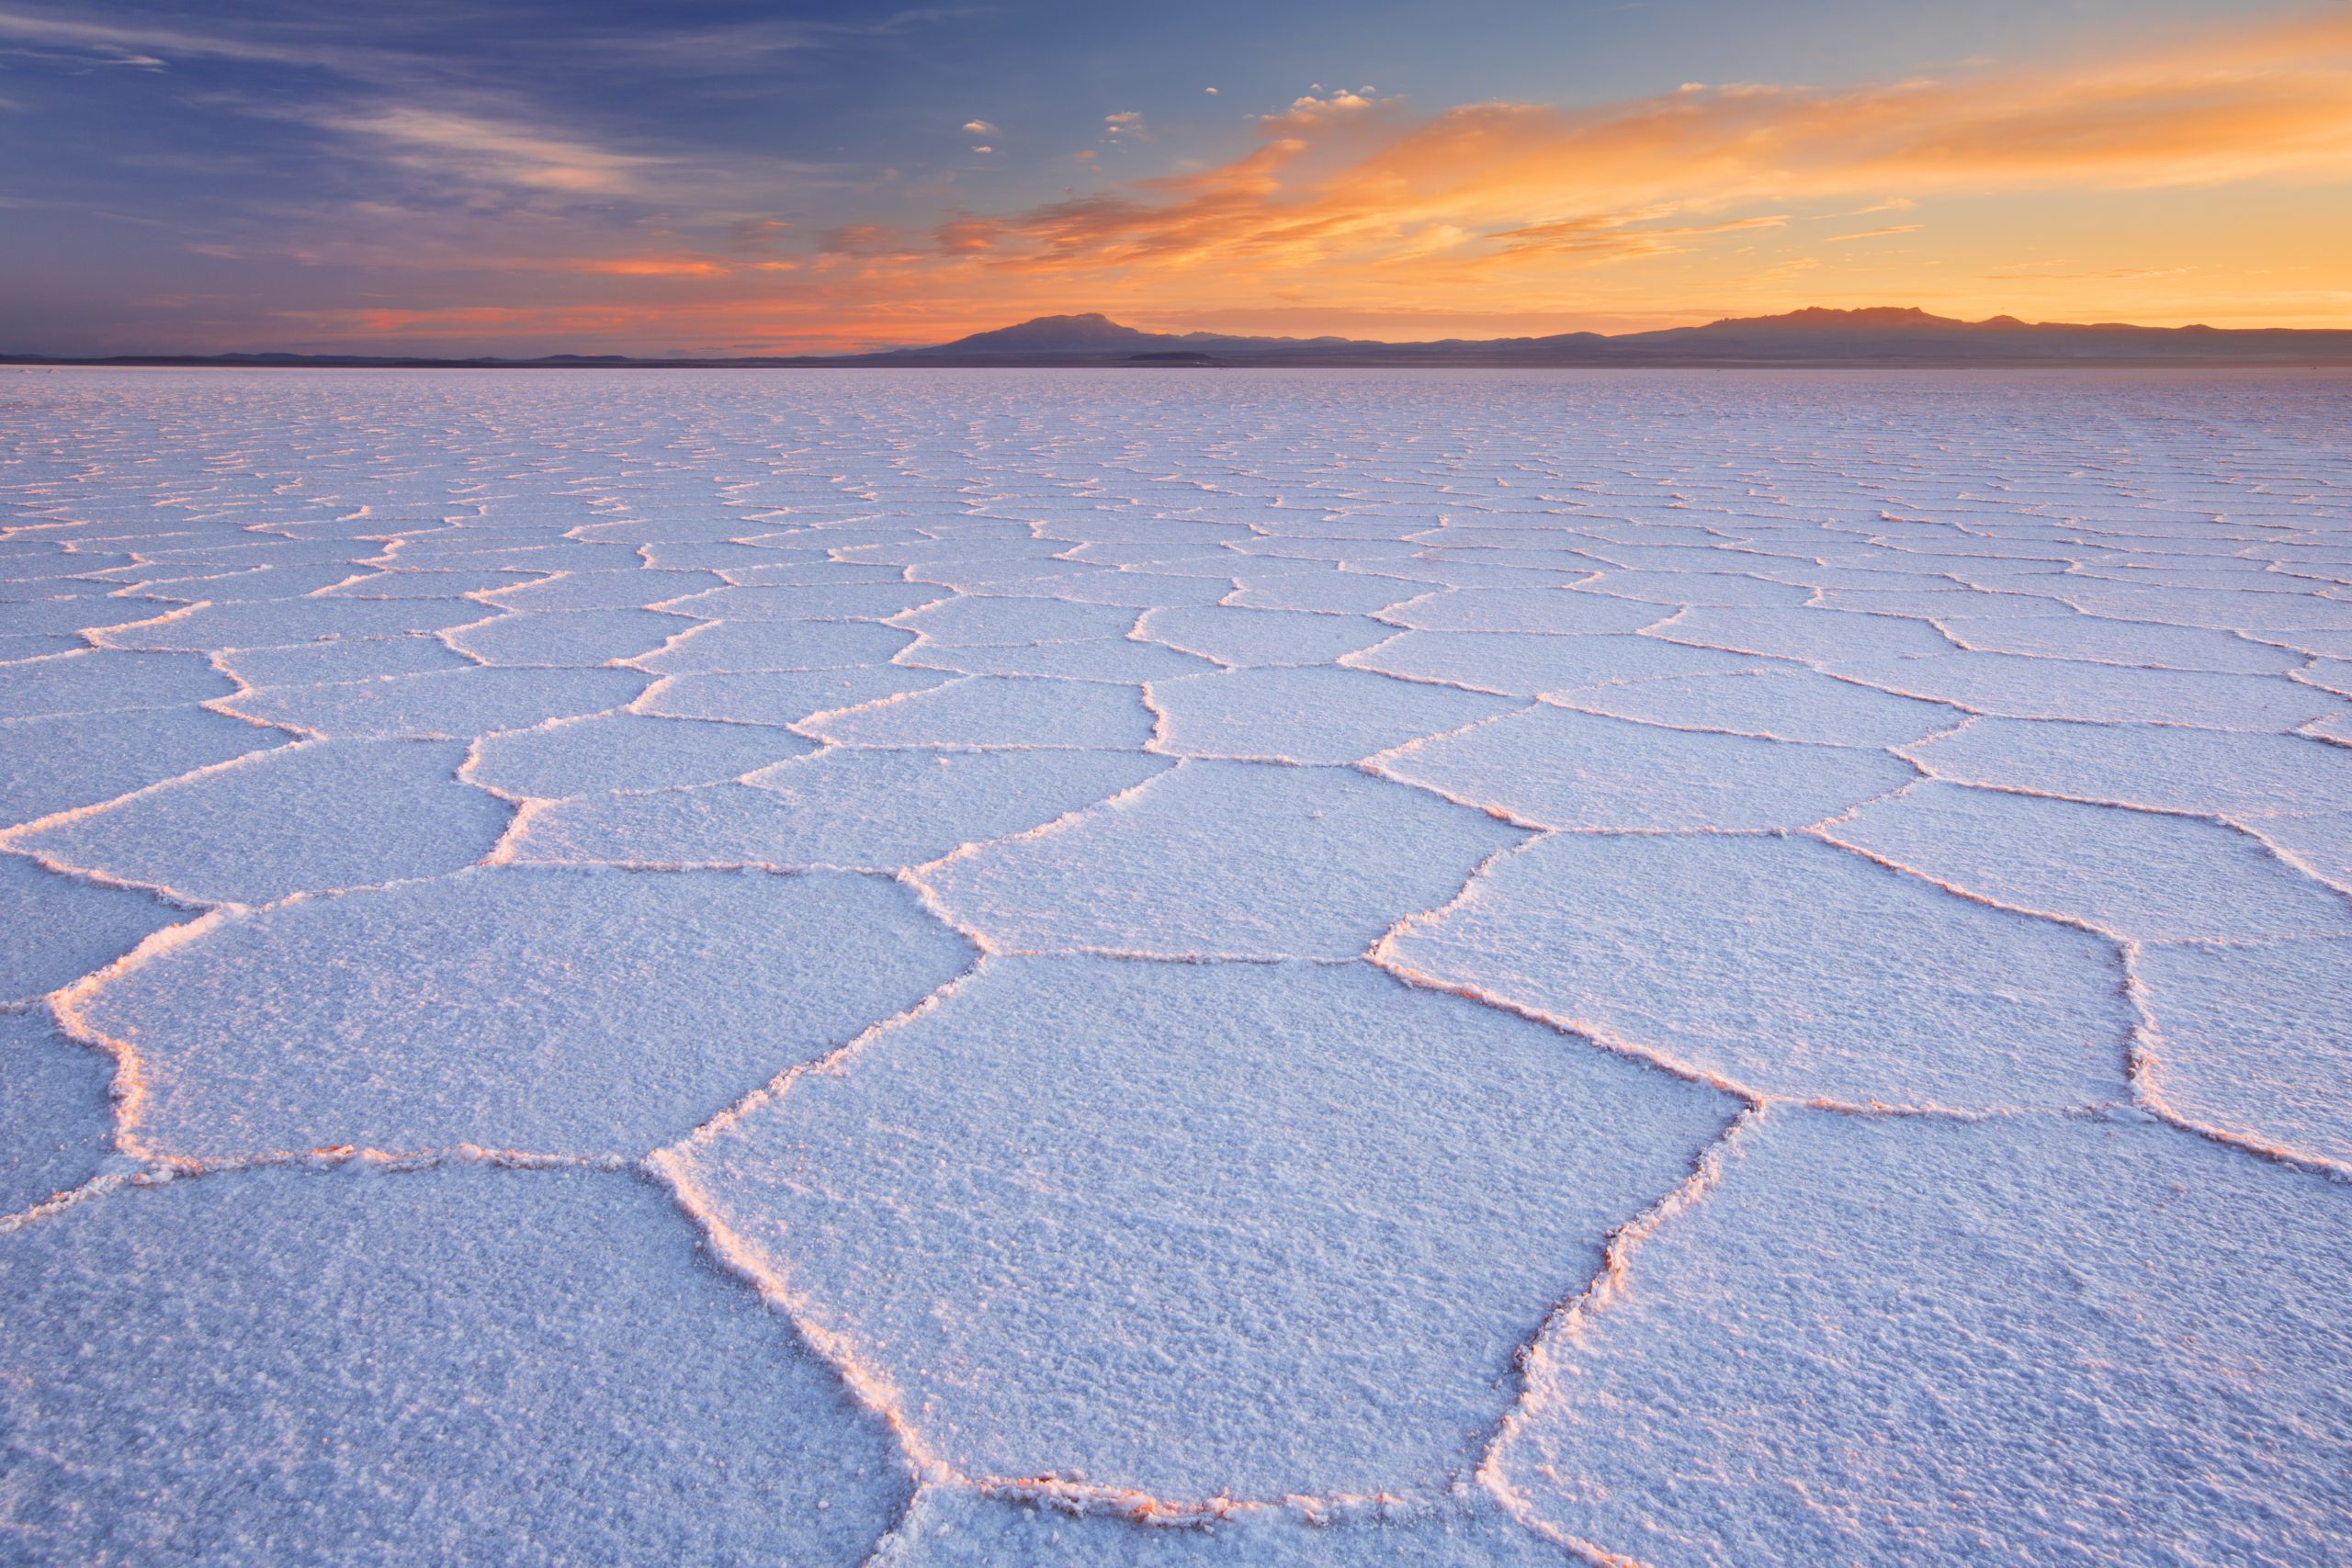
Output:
(1888, 336)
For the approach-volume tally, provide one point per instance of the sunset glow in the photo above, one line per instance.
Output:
(714, 182)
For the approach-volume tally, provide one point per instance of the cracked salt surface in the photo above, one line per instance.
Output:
(1438, 969)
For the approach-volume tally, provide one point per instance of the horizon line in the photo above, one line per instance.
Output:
(1819, 329)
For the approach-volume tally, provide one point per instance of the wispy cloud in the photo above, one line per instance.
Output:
(1619, 235)
(152, 44)
(1875, 234)
(491, 151)
(754, 45)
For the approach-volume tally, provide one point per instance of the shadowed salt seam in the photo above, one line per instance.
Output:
(1297, 963)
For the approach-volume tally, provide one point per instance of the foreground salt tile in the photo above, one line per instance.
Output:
(2031, 1339)
(1224, 858)
(60, 928)
(56, 1121)
(65, 616)
(1776, 704)
(2016, 687)
(708, 646)
(228, 584)
(781, 696)
(1560, 769)
(980, 620)
(1127, 660)
(2135, 874)
(2163, 768)
(1235, 635)
(863, 809)
(1139, 590)
(626, 751)
(2318, 842)
(997, 710)
(796, 567)
(321, 814)
(958, 1528)
(1811, 636)
(799, 601)
(1952, 602)
(432, 582)
(568, 639)
(1679, 587)
(342, 658)
(2120, 642)
(1107, 1220)
(1553, 611)
(95, 680)
(59, 764)
(626, 589)
(462, 1365)
(283, 623)
(1530, 666)
(455, 706)
(1791, 967)
(1327, 591)
(2233, 609)
(2255, 1040)
(550, 1010)
(1309, 715)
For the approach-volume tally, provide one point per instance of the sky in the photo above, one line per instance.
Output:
(701, 177)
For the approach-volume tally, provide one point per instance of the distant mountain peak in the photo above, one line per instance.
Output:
(1821, 318)
(1091, 332)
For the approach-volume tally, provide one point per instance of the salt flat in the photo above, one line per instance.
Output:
(1138, 967)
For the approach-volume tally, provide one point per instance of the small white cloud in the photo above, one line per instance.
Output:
(1210, 91)
(978, 128)
(983, 149)
(1342, 99)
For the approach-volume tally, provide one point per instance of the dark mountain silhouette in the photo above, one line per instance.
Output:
(1090, 333)
(1892, 337)
(1095, 333)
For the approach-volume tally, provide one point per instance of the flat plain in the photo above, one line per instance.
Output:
(1144, 966)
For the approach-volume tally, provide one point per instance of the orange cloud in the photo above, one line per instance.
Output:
(1612, 235)
(1350, 211)
(1533, 181)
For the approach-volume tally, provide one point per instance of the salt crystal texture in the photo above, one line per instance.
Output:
(462, 1365)
(2051, 1339)
(926, 968)
(1174, 1301)
(536, 1008)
